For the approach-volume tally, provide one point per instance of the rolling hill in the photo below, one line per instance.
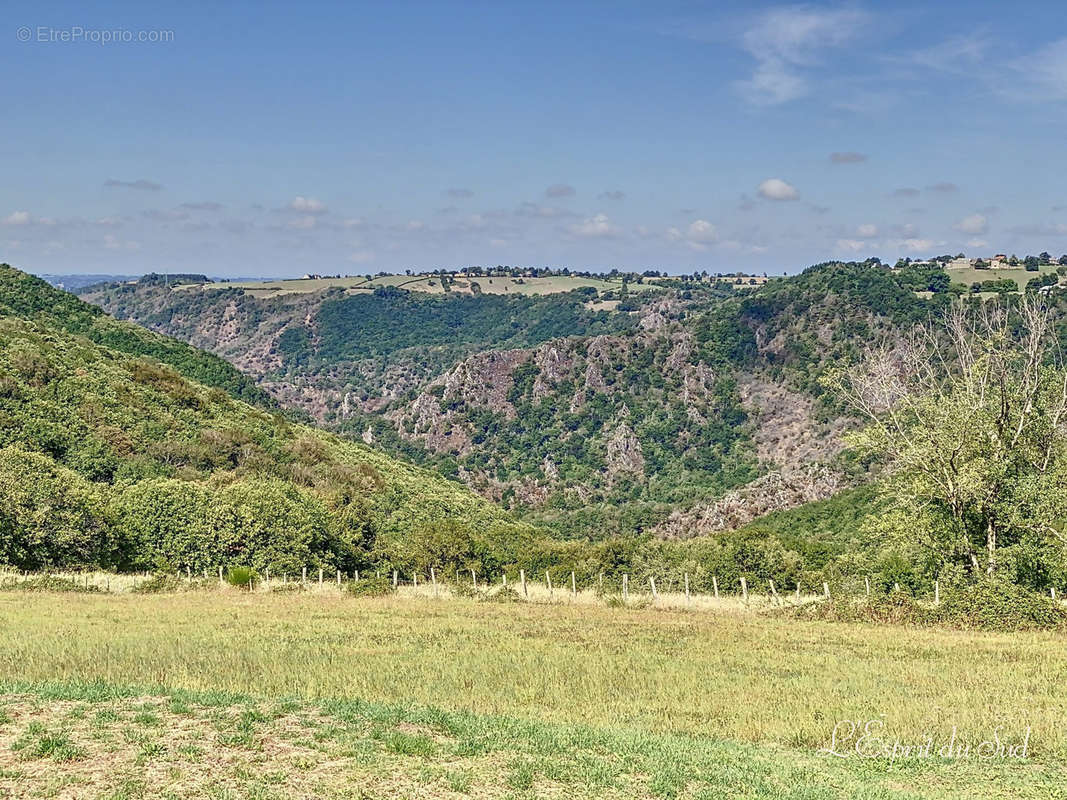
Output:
(686, 409)
(110, 455)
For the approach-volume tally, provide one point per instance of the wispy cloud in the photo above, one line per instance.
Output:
(847, 158)
(141, 184)
(558, 190)
(787, 43)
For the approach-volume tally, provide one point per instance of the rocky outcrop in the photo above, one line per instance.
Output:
(776, 491)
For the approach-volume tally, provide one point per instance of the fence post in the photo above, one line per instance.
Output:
(394, 580)
(355, 575)
(715, 586)
(652, 583)
(474, 579)
(548, 580)
(433, 580)
(504, 580)
(600, 581)
(826, 590)
(304, 575)
(867, 581)
(774, 594)
(574, 585)
(522, 577)
(266, 575)
(687, 587)
(625, 587)
(744, 589)
(338, 577)
(1053, 591)
(415, 580)
(937, 593)
(320, 576)
(798, 592)
(220, 575)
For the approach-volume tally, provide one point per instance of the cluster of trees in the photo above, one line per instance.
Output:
(112, 460)
(970, 419)
(31, 298)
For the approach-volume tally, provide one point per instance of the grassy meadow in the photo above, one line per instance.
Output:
(429, 284)
(414, 696)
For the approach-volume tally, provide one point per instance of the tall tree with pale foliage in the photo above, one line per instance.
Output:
(970, 419)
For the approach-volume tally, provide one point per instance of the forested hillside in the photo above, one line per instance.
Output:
(116, 459)
(594, 421)
(33, 299)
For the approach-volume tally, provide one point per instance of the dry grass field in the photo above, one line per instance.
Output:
(429, 284)
(409, 695)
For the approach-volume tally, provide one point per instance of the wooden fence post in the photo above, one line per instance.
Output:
(937, 593)
(715, 586)
(394, 580)
(433, 580)
(220, 574)
(652, 583)
(415, 580)
(522, 577)
(744, 589)
(1053, 591)
(338, 577)
(304, 575)
(798, 592)
(826, 590)
(474, 579)
(867, 581)
(774, 594)
(625, 587)
(574, 585)
(355, 576)
(320, 577)
(687, 587)
(548, 580)
(600, 581)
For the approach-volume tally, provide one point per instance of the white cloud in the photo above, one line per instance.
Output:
(595, 227)
(916, 245)
(701, 230)
(777, 189)
(307, 205)
(852, 245)
(697, 235)
(974, 224)
(977, 243)
(867, 231)
(18, 218)
(560, 190)
(785, 41)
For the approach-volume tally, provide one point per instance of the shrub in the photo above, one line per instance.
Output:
(370, 587)
(165, 582)
(48, 583)
(241, 577)
(999, 605)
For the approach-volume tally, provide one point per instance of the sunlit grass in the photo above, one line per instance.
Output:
(737, 676)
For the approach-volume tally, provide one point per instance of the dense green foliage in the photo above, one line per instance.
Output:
(31, 298)
(361, 325)
(112, 460)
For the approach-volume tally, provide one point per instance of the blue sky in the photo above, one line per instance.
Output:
(277, 139)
